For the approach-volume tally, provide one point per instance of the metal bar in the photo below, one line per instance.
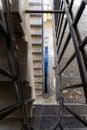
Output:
(84, 122)
(84, 43)
(79, 12)
(59, 18)
(61, 36)
(28, 101)
(13, 49)
(78, 46)
(74, 25)
(60, 27)
(70, 8)
(83, 51)
(61, 127)
(3, 31)
(68, 62)
(12, 40)
(44, 11)
(72, 57)
(65, 46)
(77, 49)
(73, 86)
(8, 74)
(7, 111)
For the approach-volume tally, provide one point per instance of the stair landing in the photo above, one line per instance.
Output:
(45, 116)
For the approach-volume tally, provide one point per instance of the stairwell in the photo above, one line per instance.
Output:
(47, 115)
(39, 116)
(37, 44)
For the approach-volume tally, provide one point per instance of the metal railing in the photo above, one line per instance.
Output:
(61, 23)
(7, 31)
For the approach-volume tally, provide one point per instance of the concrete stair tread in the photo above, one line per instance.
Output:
(79, 108)
(34, 34)
(48, 121)
(37, 89)
(34, 3)
(36, 42)
(37, 68)
(38, 94)
(35, 15)
(38, 82)
(39, 75)
(37, 52)
(46, 115)
(35, 24)
(37, 60)
(71, 122)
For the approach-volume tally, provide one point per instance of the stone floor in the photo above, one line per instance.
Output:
(41, 100)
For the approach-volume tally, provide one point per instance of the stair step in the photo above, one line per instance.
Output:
(32, 7)
(38, 94)
(34, 34)
(35, 25)
(47, 115)
(37, 89)
(37, 52)
(37, 75)
(39, 82)
(78, 108)
(36, 21)
(31, 3)
(71, 122)
(37, 43)
(48, 121)
(37, 60)
(37, 68)
(36, 15)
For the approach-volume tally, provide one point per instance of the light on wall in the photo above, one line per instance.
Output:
(10, 1)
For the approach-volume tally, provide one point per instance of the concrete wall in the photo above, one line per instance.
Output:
(21, 6)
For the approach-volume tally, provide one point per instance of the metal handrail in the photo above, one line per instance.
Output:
(78, 43)
(9, 110)
(10, 39)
